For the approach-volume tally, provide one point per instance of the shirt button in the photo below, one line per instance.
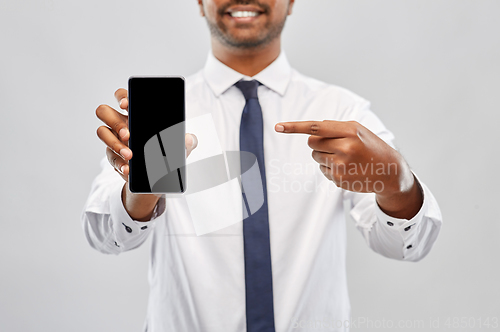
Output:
(409, 247)
(128, 229)
(144, 227)
(390, 223)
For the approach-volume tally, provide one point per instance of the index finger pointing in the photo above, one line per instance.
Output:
(327, 128)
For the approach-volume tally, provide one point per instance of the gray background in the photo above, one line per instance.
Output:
(430, 67)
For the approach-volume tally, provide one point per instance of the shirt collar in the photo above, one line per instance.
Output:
(220, 77)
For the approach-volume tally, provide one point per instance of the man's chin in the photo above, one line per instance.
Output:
(245, 43)
(244, 40)
(244, 37)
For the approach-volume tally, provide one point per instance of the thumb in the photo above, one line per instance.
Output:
(191, 143)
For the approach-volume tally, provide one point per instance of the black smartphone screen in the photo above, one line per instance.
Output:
(157, 129)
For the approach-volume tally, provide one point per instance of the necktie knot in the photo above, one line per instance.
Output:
(248, 88)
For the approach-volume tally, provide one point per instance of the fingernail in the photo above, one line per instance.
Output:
(122, 169)
(280, 128)
(125, 153)
(123, 132)
(195, 142)
(121, 101)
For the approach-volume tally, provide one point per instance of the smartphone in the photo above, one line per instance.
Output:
(156, 121)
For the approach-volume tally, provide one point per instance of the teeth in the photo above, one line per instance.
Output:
(244, 14)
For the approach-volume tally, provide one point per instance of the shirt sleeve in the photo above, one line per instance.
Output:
(107, 225)
(395, 238)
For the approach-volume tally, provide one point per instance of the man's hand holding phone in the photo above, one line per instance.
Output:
(115, 135)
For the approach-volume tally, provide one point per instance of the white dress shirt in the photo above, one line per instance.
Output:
(197, 283)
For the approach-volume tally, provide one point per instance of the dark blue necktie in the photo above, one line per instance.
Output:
(257, 251)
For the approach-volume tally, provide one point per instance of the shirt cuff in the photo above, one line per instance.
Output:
(406, 228)
(121, 217)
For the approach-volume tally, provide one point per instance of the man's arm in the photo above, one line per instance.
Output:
(356, 159)
(397, 238)
(389, 203)
(108, 226)
(114, 218)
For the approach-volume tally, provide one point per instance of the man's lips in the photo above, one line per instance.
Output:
(244, 13)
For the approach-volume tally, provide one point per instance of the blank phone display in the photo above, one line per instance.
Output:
(157, 129)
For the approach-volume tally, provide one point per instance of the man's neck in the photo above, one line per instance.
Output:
(248, 62)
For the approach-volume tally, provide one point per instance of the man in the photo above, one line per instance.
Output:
(285, 263)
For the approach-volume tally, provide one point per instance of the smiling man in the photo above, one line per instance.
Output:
(283, 266)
